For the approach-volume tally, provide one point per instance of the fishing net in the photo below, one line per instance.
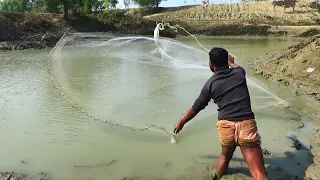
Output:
(141, 83)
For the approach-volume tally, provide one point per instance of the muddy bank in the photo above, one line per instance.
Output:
(20, 31)
(261, 12)
(234, 173)
(297, 68)
(20, 176)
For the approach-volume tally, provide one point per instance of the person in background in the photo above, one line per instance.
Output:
(236, 122)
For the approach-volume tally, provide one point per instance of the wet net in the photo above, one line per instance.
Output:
(140, 83)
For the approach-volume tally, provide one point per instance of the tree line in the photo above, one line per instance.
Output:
(70, 6)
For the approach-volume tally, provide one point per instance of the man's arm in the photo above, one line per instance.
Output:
(190, 114)
(200, 103)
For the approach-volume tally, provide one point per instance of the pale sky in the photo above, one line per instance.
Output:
(170, 3)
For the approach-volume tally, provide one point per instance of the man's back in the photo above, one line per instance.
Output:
(230, 93)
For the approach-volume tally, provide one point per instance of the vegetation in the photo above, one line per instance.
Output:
(74, 7)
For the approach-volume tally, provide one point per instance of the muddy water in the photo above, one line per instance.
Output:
(40, 128)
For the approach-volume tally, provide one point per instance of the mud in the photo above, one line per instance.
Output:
(289, 68)
(234, 173)
(20, 176)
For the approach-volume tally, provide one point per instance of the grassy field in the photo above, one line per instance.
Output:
(249, 12)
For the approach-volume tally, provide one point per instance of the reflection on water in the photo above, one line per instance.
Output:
(39, 127)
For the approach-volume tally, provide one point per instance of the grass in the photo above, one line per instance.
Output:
(250, 12)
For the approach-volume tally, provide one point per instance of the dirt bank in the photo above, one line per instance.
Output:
(250, 18)
(20, 31)
(19, 176)
(248, 12)
(297, 67)
(194, 172)
(39, 30)
(290, 67)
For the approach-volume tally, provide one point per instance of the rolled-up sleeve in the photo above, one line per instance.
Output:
(204, 98)
(243, 71)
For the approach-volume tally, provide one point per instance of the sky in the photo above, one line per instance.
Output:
(171, 3)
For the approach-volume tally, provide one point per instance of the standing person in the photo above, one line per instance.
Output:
(236, 122)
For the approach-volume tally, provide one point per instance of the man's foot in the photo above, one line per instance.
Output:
(215, 175)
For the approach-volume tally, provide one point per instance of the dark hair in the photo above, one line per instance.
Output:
(219, 57)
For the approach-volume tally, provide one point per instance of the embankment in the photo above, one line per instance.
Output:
(297, 67)
(39, 30)
(30, 30)
(250, 18)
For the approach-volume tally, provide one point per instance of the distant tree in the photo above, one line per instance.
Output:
(127, 3)
(111, 3)
(92, 5)
(65, 9)
(51, 6)
(56, 6)
(14, 5)
(148, 3)
(185, 2)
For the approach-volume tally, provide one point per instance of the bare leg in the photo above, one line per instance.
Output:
(254, 158)
(224, 159)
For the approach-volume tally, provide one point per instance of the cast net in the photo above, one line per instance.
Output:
(140, 83)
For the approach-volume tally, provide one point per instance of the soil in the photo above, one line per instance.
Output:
(194, 172)
(19, 176)
(297, 68)
(289, 67)
(20, 31)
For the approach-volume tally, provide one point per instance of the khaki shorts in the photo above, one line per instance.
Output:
(239, 133)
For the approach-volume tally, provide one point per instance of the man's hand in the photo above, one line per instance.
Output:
(230, 59)
(178, 127)
(186, 118)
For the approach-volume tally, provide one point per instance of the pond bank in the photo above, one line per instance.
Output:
(20, 31)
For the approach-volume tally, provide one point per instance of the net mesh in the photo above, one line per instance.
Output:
(135, 82)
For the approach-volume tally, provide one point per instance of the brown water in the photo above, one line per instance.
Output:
(40, 128)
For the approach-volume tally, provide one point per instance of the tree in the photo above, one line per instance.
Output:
(65, 9)
(14, 5)
(148, 3)
(52, 6)
(127, 3)
(111, 3)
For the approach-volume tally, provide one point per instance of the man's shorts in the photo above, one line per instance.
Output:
(239, 133)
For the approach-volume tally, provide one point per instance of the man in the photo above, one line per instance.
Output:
(236, 122)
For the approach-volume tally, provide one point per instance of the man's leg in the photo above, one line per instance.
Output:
(224, 159)
(254, 158)
(226, 130)
(249, 140)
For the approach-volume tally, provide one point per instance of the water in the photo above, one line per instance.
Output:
(39, 127)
